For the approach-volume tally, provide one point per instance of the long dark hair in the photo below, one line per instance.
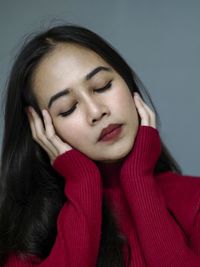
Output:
(31, 191)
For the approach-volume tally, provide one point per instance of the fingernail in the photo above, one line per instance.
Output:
(136, 95)
(44, 112)
(30, 109)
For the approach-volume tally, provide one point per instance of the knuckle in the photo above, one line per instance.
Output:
(50, 136)
(41, 136)
(148, 116)
(34, 137)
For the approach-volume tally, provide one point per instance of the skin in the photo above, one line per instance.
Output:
(64, 68)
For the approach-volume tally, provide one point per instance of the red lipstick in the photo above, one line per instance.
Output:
(110, 132)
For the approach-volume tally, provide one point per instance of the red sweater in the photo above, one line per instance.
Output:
(159, 214)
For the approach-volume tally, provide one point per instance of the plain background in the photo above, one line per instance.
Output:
(159, 39)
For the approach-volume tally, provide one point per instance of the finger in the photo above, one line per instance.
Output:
(51, 135)
(32, 125)
(46, 148)
(150, 114)
(145, 119)
(40, 135)
(39, 129)
(33, 131)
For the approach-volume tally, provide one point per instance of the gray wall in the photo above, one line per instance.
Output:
(160, 40)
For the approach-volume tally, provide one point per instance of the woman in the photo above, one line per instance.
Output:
(85, 177)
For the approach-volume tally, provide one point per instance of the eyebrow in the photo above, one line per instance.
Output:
(66, 91)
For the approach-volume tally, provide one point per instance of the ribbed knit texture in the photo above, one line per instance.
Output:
(159, 214)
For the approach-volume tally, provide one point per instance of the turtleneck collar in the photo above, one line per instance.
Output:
(110, 173)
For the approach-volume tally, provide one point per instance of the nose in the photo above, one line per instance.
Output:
(95, 111)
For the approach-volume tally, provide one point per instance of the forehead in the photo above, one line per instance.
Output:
(65, 66)
(69, 59)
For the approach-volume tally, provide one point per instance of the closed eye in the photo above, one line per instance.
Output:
(107, 86)
(64, 114)
(99, 90)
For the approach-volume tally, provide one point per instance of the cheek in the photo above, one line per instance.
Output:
(131, 103)
(125, 103)
(68, 131)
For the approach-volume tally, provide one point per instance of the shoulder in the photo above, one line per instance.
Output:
(175, 183)
(182, 196)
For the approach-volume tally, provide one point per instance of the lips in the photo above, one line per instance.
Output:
(108, 129)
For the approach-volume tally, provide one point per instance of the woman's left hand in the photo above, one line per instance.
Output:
(148, 117)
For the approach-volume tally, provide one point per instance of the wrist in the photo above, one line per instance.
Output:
(73, 163)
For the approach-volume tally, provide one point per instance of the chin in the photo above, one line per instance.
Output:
(120, 155)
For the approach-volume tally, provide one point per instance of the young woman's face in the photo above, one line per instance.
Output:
(67, 68)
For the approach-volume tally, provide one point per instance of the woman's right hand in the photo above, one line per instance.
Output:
(46, 137)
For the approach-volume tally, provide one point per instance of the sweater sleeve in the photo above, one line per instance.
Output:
(79, 221)
(195, 234)
(162, 241)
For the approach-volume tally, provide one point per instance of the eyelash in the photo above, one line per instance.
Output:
(107, 86)
(100, 90)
